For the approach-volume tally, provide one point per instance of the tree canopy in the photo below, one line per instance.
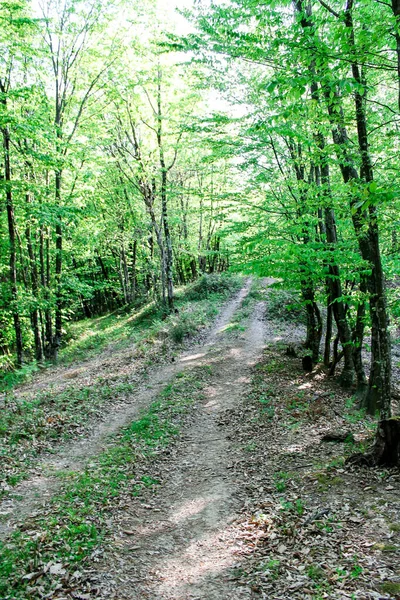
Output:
(136, 157)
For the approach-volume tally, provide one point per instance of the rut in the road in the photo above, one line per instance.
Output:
(33, 493)
(184, 548)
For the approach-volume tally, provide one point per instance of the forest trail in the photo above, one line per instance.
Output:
(29, 496)
(184, 547)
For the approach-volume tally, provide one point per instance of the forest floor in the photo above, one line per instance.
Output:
(211, 480)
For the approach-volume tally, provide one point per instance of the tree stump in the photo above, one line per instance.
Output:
(387, 443)
(307, 363)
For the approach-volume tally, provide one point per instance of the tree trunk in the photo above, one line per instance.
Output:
(358, 337)
(35, 288)
(134, 274)
(11, 234)
(379, 390)
(56, 341)
(396, 13)
(387, 443)
(46, 278)
(333, 280)
(314, 322)
(164, 207)
(328, 335)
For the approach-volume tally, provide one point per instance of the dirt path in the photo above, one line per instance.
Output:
(30, 496)
(182, 546)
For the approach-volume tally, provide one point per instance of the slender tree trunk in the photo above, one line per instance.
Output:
(134, 273)
(48, 299)
(333, 281)
(149, 195)
(11, 235)
(124, 274)
(164, 207)
(35, 288)
(358, 338)
(56, 341)
(167, 237)
(396, 13)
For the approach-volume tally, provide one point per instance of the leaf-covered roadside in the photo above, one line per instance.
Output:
(43, 555)
(313, 526)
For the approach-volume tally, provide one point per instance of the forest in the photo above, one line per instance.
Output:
(164, 165)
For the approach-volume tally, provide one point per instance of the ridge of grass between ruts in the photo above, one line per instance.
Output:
(30, 425)
(49, 547)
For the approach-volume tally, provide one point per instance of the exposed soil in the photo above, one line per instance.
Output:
(252, 502)
(30, 495)
(183, 545)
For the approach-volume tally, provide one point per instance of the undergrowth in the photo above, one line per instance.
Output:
(29, 425)
(197, 304)
(285, 305)
(49, 547)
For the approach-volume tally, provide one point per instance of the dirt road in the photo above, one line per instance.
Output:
(182, 547)
(33, 493)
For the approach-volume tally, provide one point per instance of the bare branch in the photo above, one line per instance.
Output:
(328, 8)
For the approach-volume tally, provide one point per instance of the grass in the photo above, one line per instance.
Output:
(30, 425)
(39, 553)
(197, 306)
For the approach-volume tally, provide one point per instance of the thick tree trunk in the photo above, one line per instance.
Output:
(387, 443)
(379, 390)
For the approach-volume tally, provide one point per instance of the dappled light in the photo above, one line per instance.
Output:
(199, 300)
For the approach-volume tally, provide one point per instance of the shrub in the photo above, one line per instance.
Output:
(223, 284)
(185, 326)
(285, 305)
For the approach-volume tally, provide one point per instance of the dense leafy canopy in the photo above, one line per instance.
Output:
(134, 159)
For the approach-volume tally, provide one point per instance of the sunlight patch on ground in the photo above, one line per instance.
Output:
(192, 357)
(305, 386)
(207, 556)
(235, 352)
(190, 508)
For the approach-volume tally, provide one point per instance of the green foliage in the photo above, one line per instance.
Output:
(285, 305)
(206, 285)
(280, 479)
